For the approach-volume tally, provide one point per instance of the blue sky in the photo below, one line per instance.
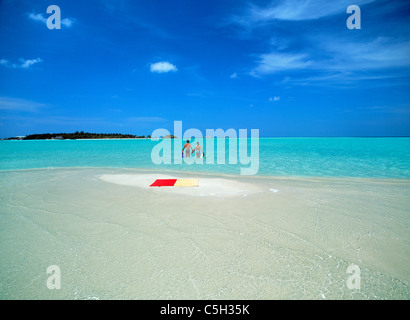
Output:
(285, 67)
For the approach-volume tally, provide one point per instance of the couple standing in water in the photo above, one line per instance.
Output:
(188, 147)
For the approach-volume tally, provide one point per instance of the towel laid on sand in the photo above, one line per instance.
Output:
(175, 183)
(187, 183)
(164, 183)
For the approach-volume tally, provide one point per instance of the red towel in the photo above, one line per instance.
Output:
(164, 183)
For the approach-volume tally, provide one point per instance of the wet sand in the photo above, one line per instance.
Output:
(114, 237)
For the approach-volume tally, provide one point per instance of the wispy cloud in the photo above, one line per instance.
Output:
(28, 120)
(80, 121)
(37, 17)
(276, 61)
(113, 5)
(146, 119)
(346, 79)
(338, 58)
(162, 67)
(276, 98)
(29, 62)
(67, 22)
(24, 63)
(196, 94)
(15, 104)
(292, 10)
(234, 75)
(319, 55)
(374, 54)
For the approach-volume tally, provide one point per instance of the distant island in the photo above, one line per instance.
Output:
(76, 136)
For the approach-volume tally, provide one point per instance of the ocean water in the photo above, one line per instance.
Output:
(301, 157)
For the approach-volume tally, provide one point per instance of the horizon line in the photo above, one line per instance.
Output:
(206, 137)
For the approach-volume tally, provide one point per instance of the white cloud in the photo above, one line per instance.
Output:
(24, 63)
(376, 54)
(37, 17)
(163, 67)
(14, 104)
(339, 57)
(274, 62)
(234, 75)
(319, 56)
(294, 10)
(276, 98)
(67, 22)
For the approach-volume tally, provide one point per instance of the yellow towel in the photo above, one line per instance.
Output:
(187, 183)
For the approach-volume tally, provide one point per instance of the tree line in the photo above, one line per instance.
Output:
(78, 135)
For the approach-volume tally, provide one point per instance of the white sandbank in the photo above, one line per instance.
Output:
(207, 186)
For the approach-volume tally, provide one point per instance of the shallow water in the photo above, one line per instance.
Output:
(276, 238)
(323, 157)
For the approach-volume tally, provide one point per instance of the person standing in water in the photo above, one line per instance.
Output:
(198, 150)
(187, 147)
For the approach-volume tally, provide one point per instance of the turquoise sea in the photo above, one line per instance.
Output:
(303, 157)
